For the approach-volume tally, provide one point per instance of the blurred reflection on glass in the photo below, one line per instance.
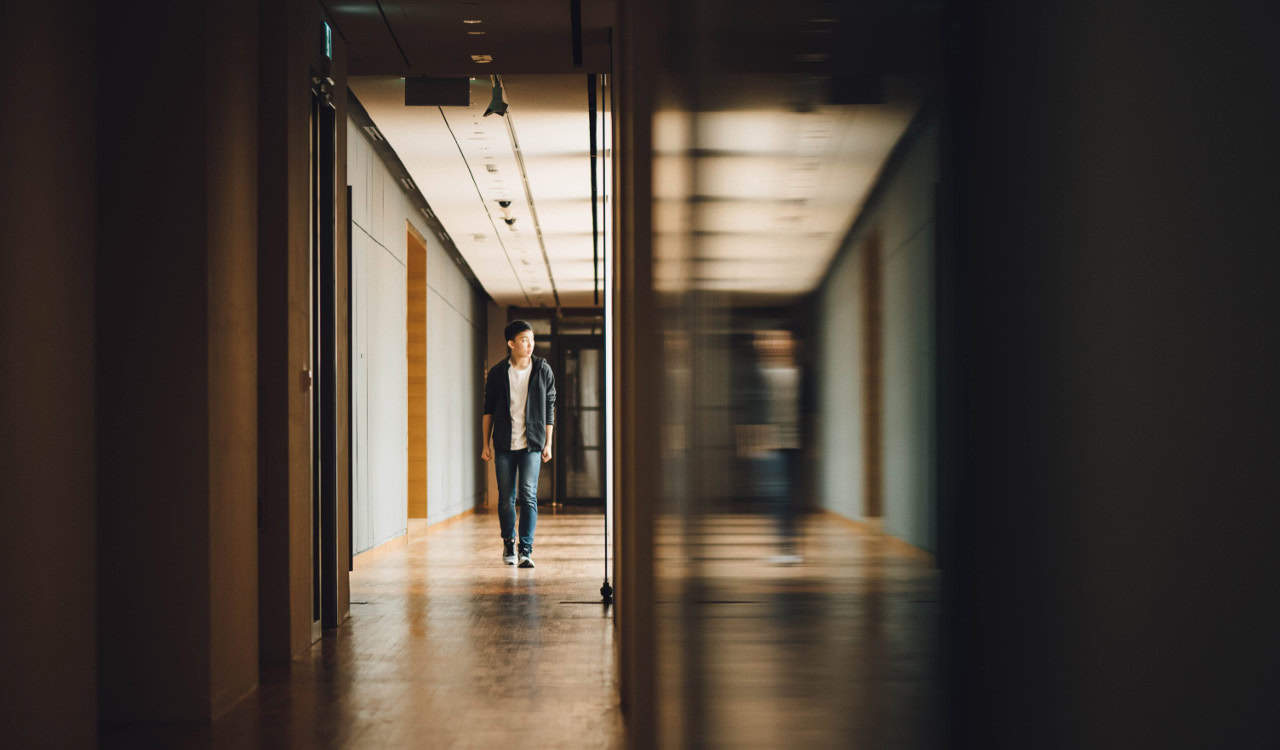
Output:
(777, 626)
(773, 445)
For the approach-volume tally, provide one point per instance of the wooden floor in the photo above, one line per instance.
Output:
(447, 647)
(839, 650)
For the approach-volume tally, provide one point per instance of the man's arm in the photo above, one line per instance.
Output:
(486, 427)
(551, 398)
(486, 422)
(550, 413)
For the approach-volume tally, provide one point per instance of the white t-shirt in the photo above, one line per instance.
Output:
(784, 404)
(518, 381)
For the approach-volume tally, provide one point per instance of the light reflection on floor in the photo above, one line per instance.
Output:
(839, 650)
(448, 647)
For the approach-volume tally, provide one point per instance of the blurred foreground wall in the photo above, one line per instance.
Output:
(1109, 537)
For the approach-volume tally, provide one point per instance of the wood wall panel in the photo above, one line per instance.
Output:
(416, 352)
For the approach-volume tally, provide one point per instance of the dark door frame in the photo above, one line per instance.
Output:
(324, 357)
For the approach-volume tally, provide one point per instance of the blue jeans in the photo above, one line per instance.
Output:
(526, 464)
(775, 476)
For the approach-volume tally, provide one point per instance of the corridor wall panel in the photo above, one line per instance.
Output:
(840, 418)
(362, 529)
(909, 346)
(381, 213)
(901, 216)
(379, 508)
(495, 348)
(287, 51)
(177, 373)
(1110, 553)
(387, 393)
(453, 389)
(48, 568)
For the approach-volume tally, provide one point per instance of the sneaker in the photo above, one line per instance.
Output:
(509, 552)
(526, 558)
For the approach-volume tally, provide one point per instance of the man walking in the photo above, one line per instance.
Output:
(519, 416)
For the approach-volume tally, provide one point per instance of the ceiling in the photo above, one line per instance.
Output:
(754, 194)
(429, 37)
(465, 164)
(765, 193)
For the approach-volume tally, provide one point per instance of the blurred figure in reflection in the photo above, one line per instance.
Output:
(768, 435)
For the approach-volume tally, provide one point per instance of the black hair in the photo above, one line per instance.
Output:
(515, 328)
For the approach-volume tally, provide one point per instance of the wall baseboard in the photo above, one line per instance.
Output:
(427, 524)
(376, 553)
(875, 527)
(417, 528)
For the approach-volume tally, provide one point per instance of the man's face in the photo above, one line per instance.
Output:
(775, 349)
(521, 345)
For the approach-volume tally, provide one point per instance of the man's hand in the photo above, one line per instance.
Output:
(546, 454)
(486, 438)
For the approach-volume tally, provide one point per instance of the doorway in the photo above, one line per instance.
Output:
(580, 470)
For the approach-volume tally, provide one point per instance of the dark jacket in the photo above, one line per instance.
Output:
(540, 408)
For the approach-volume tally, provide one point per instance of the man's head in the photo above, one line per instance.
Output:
(519, 338)
(775, 347)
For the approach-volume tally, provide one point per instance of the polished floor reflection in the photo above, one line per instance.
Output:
(757, 650)
(445, 647)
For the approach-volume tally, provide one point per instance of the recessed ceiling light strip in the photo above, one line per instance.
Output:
(533, 212)
(480, 195)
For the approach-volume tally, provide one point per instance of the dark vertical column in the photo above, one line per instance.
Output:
(176, 359)
(639, 362)
(291, 53)
(153, 367)
(48, 235)
(231, 175)
(343, 334)
(346, 305)
(326, 369)
(276, 382)
(1110, 561)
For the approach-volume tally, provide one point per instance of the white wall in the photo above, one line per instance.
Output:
(839, 424)
(908, 347)
(496, 349)
(902, 212)
(380, 381)
(455, 359)
(455, 373)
